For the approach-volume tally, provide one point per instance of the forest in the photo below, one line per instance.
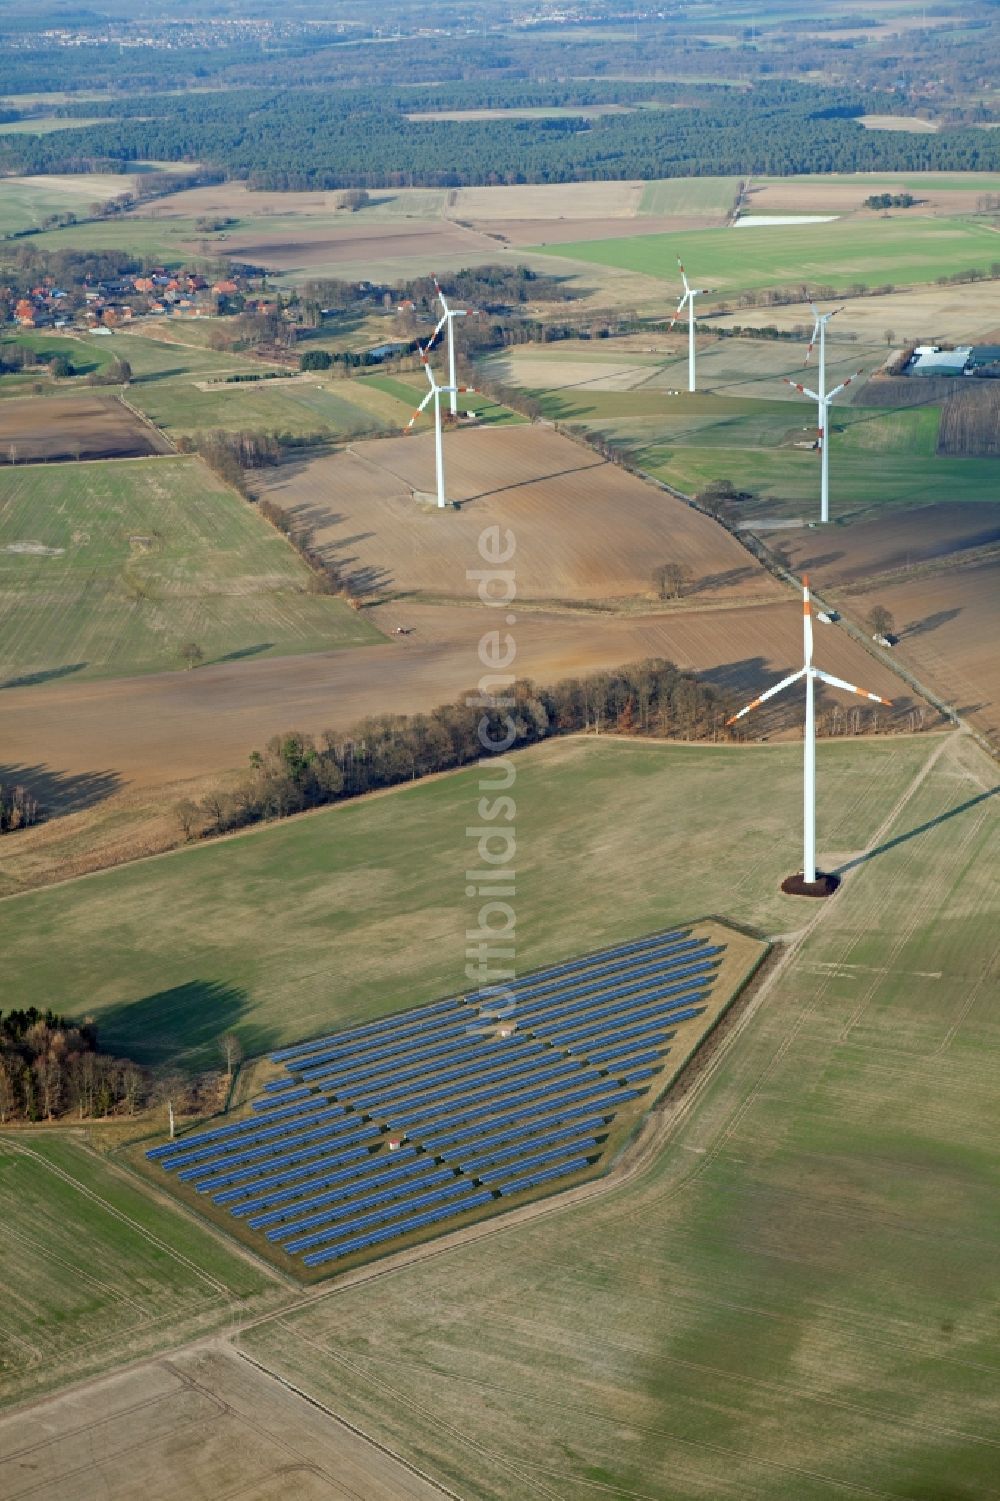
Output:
(50, 1067)
(317, 139)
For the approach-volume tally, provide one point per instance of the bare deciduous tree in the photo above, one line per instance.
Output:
(231, 1050)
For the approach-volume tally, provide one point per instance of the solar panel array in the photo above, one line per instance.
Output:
(477, 1112)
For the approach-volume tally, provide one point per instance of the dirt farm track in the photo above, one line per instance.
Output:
(74, 427)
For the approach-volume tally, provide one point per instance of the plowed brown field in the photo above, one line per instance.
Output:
(73, 427)
(584, 529)
(949, 625)
(845, 555)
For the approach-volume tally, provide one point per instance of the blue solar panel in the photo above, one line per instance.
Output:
(617, 1062)
(594, 1034)
(337, 1189)
(323, 1065)
(596, 963)
(559, 1145)
(658, 1002)
(325, 1131)
(263, 1132)
(460, 1140)
(450, 1190)
(620, 998)
(408, 1021)
(639, 978)
(348, 1083)
(401, 1227)
(365, 1137)
(527, 1133)
(328, 1216)
(273, 1102)
(518, 1185)
(596, 1093)
(265, 1193)
(469, 1083)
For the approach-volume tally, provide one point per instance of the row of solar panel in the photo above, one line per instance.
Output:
(472, 1083)
(338, 1060)
(348, 1049)
(367, 1029)
(337, 1043)
(266, 1193)
(594, 963)
(557, 1146)
(360, 1141)
(401, 1227)
(608, 988)
(340, 1125)
(627, 1007)
(356, 1070)
(508, 1186)
(595, 1093)
(242, 1129)
(529, 1131)
(618, 998)
(334, 1214)
(525, 1054)
(583, 1039)
(399, 1180)
(457, 1186)
(261, 1134)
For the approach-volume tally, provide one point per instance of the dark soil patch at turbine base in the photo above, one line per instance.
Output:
(824, 885)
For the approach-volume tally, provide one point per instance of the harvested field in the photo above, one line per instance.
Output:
(202, 1423)
(108, 569)
(164, 728)
(968, 313)
(74, 427)
(887, 544)
(970, 420)
(843, 193)
(284, 245)
(585, 529)
(97, 1272)
(949, 625)
(556, 200)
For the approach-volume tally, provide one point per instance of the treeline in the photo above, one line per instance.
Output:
(50, 1067)
(229, 455)
(296, 771)
(333, 140)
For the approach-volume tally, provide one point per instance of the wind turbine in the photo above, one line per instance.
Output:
(801, 886)
(824, 400)
(448, 317)
(690, 293)
(434, 394)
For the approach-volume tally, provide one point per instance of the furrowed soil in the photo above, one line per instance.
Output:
(585, 529)
(74, 427)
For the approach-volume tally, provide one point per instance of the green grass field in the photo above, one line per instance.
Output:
(795, 1301)
(26, 201)
(409, 391)
(876, 252)
(97, 1273)
(360, 910)
(689, 195)
(43, 125)
(107, 569)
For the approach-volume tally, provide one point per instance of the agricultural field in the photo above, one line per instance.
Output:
(73, 427)
(900, 251)
(945, 532)
(203, 1421)
(97, 1273)
(26, 201)
(790, 1296)
(948, 623)
(234, 933)
(845, 192)
(108, 569)
(585, 529)
(964, 314)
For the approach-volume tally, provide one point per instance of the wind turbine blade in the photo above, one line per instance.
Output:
(420, 408)
(680, 309)
(802, 390)
(433, 338)
(807, 624)
(828, 677)
(683, 276)
(441, 296)
(844, 385)
(778, 688)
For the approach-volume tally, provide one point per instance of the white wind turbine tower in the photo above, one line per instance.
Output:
(690, 293)
(824, 400)
(434, 394)
(448, 317)
(810, 674)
